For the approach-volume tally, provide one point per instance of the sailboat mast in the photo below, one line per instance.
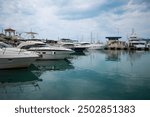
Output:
(91, 37)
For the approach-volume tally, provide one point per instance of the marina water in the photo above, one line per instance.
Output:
(96, 75)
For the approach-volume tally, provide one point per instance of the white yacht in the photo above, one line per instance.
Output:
(135, 41)
(92, 46)
(71, 44)
(45, 51)
(15, 58)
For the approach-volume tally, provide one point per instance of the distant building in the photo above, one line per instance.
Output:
(115, 43)
(10, 32)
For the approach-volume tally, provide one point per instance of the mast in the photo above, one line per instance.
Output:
(118, 31)
(2, 31)
(91, 37)
(132, 30)
(82, 37)
(97, 36)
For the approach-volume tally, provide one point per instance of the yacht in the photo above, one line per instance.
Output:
(136, 42)
(92, 46)
(68, 43)
(11, 57)
(46, 51)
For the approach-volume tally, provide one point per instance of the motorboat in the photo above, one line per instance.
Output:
(92, 46)
(68, 43)
(46, 51)
(136, 42)
(11, 57)
(96, 46)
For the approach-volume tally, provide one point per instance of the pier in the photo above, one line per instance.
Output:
(114, 43)
(127, 48)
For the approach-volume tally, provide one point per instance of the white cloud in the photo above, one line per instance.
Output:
(74, 18)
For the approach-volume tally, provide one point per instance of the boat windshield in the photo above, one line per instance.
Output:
(85, 43)
(66, 40)
(34, 46)
(4, 45)
(67, 45)
(40, 45)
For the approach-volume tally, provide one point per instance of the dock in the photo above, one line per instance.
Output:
(127, 48)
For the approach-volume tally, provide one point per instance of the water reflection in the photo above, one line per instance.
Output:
(88, 77)
(17, 80)
(133, 56)
(112, 55)
(79, 54)
(39, 67)
(115, 55)
(76, 55)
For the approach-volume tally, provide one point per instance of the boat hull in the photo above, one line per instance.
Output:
(10, 63)
(53, 55)
(96, 48)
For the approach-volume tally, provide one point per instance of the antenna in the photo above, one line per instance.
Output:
(118, 31)
(132, 30)
(2, 30)
(91, 37)
(82, 37)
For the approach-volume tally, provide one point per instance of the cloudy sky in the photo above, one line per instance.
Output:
(76, 19)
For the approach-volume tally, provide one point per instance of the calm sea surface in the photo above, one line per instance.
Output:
(92, 75)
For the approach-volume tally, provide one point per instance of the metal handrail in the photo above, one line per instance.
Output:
(4, 49)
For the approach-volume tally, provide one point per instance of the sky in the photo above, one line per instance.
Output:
(77, 19)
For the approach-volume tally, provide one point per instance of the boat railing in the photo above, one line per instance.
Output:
(4, 50)
(20, 51)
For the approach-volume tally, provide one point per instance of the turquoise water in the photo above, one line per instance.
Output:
(90, 75)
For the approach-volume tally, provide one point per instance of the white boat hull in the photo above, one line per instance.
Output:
(15, 58)
(9, 63)
(46, 51)
(92, 46)
(96, 47)
(53, 55)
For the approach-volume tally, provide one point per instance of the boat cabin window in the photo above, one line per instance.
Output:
(4, 45)
(66, 40)
(68, 45)
(34, 46)
(85, 43)
(25, 47)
